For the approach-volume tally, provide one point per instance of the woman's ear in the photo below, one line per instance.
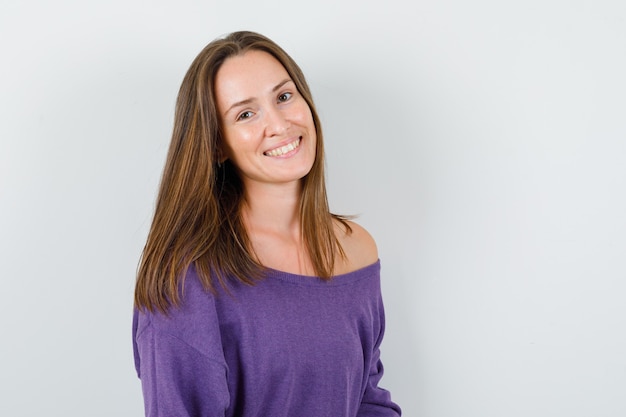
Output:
(221, 156)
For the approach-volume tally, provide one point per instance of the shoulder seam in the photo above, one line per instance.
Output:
(171, 336)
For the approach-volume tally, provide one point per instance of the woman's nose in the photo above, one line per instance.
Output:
(276, 123)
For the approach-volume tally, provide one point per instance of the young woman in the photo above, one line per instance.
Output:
(252, 299)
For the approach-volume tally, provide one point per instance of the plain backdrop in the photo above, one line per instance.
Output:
(482, 143)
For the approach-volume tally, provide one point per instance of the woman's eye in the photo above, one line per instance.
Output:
(284, 96)
(244, 115)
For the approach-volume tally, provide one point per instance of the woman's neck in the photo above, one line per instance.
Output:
(272, 207)
(271, 215)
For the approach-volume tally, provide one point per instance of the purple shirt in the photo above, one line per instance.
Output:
(290, 345)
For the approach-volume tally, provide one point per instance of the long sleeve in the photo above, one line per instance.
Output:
(178, 380)
(376, 401)
(180, 361)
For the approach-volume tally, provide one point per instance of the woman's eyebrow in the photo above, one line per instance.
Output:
(250, 100)
(239, 103)
(280, 84)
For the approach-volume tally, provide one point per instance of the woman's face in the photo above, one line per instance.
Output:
(267, 125)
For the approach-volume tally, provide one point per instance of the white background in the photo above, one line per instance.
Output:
(483, 143)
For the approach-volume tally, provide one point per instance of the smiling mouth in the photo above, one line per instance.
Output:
(284, 149)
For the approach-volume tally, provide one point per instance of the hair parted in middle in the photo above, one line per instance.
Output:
(197, 219)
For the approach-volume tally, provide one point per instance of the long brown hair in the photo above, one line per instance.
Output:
(197, 219)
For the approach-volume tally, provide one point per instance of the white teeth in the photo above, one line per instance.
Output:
(284, 149)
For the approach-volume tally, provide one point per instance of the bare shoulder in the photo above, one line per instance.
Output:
(358, 245)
